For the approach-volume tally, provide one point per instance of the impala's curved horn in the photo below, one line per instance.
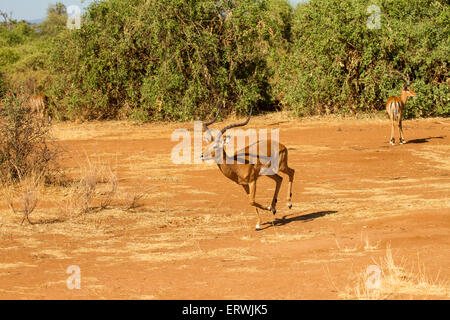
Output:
(205, 125)
(238, 124)
(407, 81)
(403, 76)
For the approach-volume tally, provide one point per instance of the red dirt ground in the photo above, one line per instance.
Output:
(356, 199)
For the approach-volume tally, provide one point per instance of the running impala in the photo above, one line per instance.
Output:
(243, 169)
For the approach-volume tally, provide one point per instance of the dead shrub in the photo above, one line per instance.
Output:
(132, 200)
(70, 203)
(107, 196)
(24, 147)
(393, 280)
(23, 197)
(88, 185)
(95, 189)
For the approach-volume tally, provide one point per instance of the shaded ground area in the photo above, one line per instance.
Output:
(357, 202)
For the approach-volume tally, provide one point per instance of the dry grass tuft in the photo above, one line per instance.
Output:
(369, 247)
(362, 246)
(70, 201)
(23, 197)
(98, 185)
(386, 280)
(107, 196)
(87, 187)
(132, 200)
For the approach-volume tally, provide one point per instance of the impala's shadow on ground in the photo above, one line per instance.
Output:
(289, 218)
(423, 140)
(48, 221)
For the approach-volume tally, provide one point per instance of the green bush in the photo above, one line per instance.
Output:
(24, 63)
(55, 21)
(8, 57)
(3, 87)
(177, 60)
(187, 56)
(338, 64)
(19, 34)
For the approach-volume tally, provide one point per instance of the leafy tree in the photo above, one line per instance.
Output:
(338, 64)
(163, 59)
(279, 38)
(56, 19)
(23, 58)
(3, 88)
(178, 60)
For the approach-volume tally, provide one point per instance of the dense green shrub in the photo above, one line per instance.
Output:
(338, 64)
(279, 37)
(18, 34)
(55, 21)
(8, 56)
(24, 59)
(3, 87)
(163, 59)
(178, 60)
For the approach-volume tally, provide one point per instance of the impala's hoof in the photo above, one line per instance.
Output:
(402, 141)
(274, 211)
(289, 205)
(392, 142)
(258, 228)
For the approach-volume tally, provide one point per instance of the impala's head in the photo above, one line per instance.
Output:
(216, 143)
(408, 91)
(214, 147)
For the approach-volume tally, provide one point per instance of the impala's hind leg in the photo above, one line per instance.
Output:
(393, 116)
(400, 130)
(290, 172)
(392, 141)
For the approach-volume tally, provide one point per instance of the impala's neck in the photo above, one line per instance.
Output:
(226, 168)
(404, 97)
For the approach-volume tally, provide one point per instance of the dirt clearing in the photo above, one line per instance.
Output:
(186, 232)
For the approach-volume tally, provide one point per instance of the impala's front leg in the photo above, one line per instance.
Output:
(278, 179)
(258, 221)
(251, 196)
